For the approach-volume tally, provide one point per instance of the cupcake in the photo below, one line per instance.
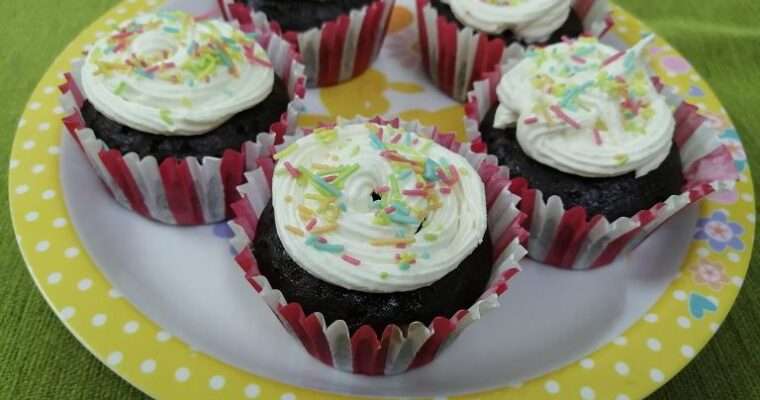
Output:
(585, 125)
(462, 40)
(368, 225)
(338, 39)
(168, 110)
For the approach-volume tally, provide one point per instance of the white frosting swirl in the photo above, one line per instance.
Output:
(168, 74)
(352, 240)
(531, 20)
(587, 109)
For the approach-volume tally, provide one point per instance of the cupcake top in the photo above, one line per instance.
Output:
(587, 109)
(531, 20)
(376, 209)
(168, 74)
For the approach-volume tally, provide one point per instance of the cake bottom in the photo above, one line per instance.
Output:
(242, 127)
(458, 290)
(621, 196)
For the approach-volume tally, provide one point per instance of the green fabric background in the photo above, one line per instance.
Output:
(39, 359)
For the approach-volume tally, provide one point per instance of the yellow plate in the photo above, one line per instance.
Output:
(635, 364)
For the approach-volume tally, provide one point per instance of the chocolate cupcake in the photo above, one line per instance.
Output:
(463, 40)
(602, 154)
(582, 121)
(337, 39)
(376, 231)
(189, 95)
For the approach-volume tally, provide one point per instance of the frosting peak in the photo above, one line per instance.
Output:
(531, 20)
(168, 74)
(376, 209)
(587, 109)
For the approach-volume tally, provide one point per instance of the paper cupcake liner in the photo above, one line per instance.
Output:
(187, 191)
(338, 51)
(454, 58)
(396, 349)
(575, 239)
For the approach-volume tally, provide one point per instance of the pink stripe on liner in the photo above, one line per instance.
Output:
(351, 260)
(564, 117)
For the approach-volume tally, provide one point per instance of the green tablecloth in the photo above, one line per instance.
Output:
(40, 359)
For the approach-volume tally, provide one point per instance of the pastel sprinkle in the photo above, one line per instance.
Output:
(414, 192)
(166, 116)
(390, 242)
(310, 225)
(400, 218)
(376, 142)
(351, 260)
(294, 230)
(325, 229)
(382, 189)
(286, 151)
(621, 159)
(430, 237)
(597, 137)
(445, 190)
(530, 120)
(327, 247)
(396, 138)
(293, 171)
(613, 58)
(564, 117)
(120, 88)
(384, 275)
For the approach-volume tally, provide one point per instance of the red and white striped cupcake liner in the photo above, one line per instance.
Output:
(338, 51)
(574, 239)
(454, 58)
(188, 191)
(396, 349)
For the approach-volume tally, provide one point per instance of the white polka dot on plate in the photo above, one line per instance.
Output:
(59, 222)
(587, 393)
(163, 336)
(35, 105)
(683, 322)
(216, 382)
(121, 10)
(67, 312)
(687, 351)
(288, 396)
(551, 387)
(622, 368)
(679, 295)
(71, 252)
(43, 127)
(131, 327)
(733, 257)
(656, 375)
(48, 194)
(84, 284)
(148, 366)
(651, 318)
(48, 90)
(28, 145)
(99, 319)
(182, 374)
(13, 164)
(252, 391)
(747, 197)
(114, 293)
(654, 344)
(54, 278)
(703, 252)
(42, 246)
(58, 110)
(738, 281)
(587, 363)
(114, 358)
(622, 397)
(714, 327)
(751, 217)
(21, 123)
(620, 341)
(38, 169)
(54, 150)
(31, 216)
(21, 189)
